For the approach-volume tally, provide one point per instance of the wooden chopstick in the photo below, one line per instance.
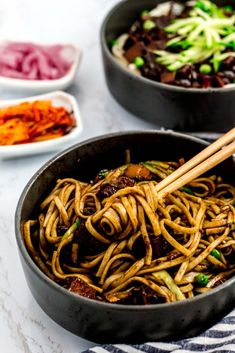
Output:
(198, 164)
(200, 157)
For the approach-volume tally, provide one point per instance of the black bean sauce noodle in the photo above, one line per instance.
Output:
(114, 240)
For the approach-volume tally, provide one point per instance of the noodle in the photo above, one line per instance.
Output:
(114, 240)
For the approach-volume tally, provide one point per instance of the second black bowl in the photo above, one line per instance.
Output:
(172, 107)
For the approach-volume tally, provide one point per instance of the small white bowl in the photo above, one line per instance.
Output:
(57, 98)
(40, 86)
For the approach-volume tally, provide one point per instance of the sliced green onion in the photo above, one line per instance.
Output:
(201, 280)
(148, 24)
(216, 254)
(205, 69)
(139, 61)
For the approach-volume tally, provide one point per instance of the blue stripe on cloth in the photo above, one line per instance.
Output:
(105, 347)
(130, 349)
(217, 334)
(158, 347)
(228, 320)
(218, 339)
(197, 347)
(111, 348)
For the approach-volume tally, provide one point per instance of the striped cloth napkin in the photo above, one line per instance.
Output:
(220, 338)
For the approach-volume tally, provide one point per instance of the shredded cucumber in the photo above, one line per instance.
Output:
(204, 35)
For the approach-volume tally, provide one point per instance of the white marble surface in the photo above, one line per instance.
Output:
(24, 327)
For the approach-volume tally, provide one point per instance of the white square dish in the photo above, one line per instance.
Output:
(72, 53)
(57, 98)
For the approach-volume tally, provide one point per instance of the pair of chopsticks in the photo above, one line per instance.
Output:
(212, 155)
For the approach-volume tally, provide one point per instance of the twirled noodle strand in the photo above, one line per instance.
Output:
(128, 245)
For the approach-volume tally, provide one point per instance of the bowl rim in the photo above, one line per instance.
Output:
(63, 291)
(140, 78)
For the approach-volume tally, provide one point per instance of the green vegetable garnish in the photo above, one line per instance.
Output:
(72, 229)
(205, 69)
(201, 280)
(114, 42)
(216, 254)
(103, 173)
(139, 61)
(184, 44)
(229, 45)
(228, 8)
(154, 169)
(203, 5)
(187, 190)
(148, 24)
(216, 64)
(144, 13)
(204, 35)
(168, 280)
(227, 31)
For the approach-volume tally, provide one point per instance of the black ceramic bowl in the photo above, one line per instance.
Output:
(104, 322)
(178, 108)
